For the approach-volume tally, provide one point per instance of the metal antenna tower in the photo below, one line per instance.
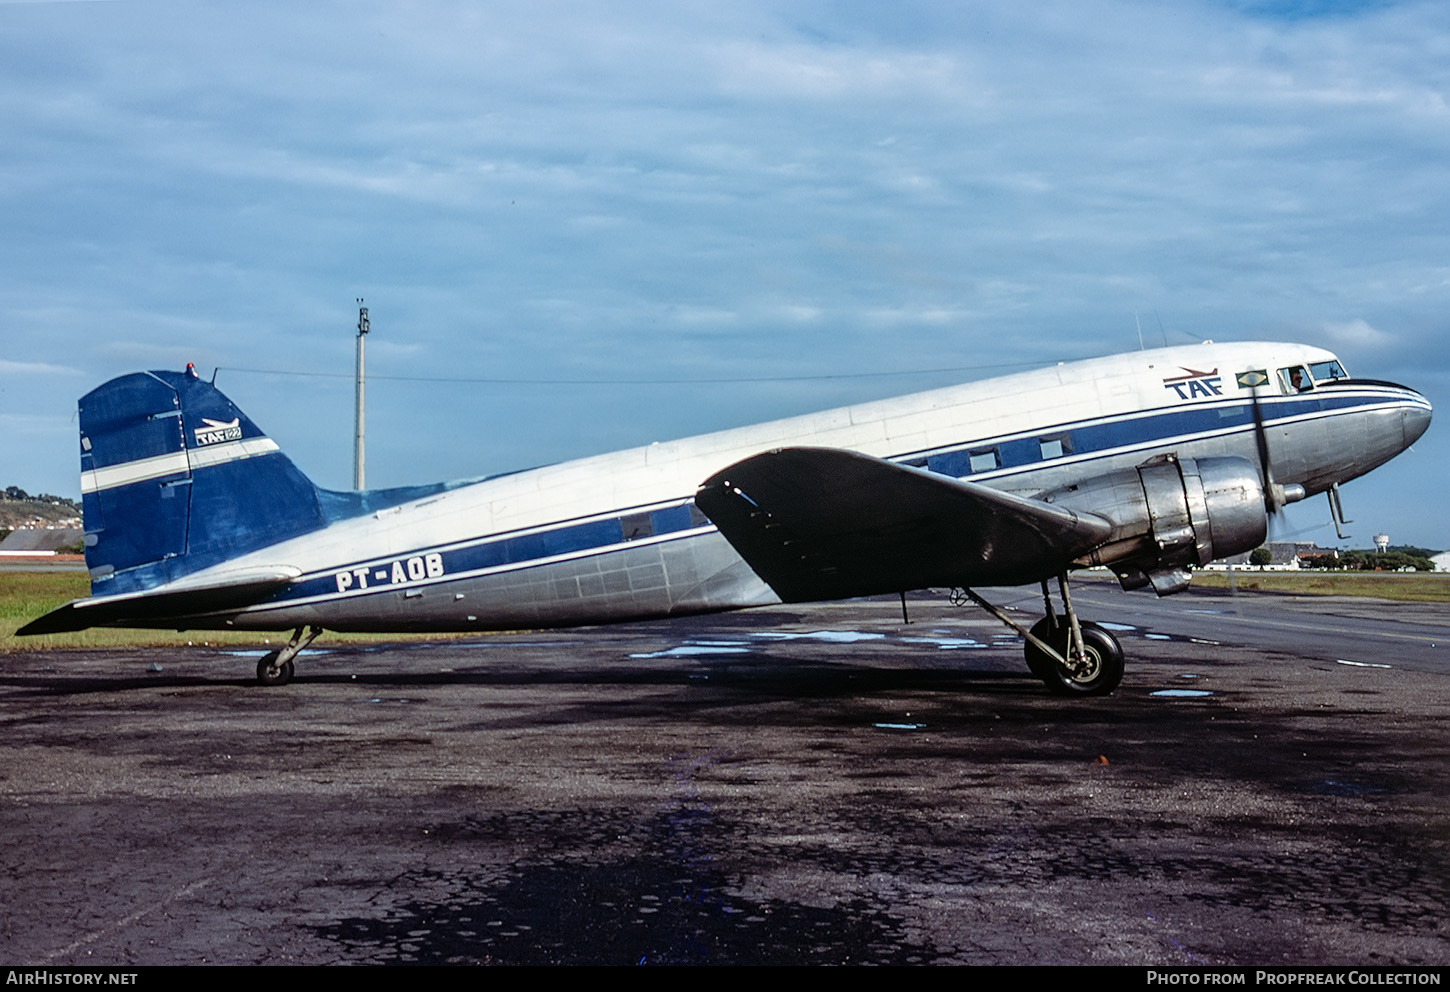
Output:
(357, 450)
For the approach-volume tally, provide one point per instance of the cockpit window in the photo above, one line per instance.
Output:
(1323, 371)
(1295, 379)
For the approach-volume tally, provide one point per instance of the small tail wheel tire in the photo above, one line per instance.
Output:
(1098, 674)
(270, 673)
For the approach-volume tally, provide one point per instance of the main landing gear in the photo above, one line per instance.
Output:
(1074, 658)
(275, 667)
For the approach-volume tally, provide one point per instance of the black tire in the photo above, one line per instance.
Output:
(1038, 663)
(267, 675)
(1104, 670)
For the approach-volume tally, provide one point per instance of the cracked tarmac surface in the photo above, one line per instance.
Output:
(792, 785)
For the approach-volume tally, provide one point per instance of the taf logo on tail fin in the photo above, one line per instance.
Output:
(215, 431)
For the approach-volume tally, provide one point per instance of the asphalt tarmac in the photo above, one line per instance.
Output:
(790, 785)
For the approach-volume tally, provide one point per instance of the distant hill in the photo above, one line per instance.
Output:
(20, 509)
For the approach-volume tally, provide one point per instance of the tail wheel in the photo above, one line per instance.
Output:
(271, 673)
(1098, 672)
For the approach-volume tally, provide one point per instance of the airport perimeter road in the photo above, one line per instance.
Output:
(819, 785)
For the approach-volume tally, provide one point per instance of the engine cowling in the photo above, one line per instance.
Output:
(1170, 513)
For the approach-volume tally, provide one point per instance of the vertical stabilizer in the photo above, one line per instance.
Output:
(174, 478)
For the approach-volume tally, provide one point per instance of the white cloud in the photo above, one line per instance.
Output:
(44, 427)
(8, 367)
(797, 71)
(1356, 333)
(801, 313)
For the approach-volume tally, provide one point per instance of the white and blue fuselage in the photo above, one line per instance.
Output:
(194, 496)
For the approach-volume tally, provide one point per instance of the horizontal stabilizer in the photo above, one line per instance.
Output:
(822, 523)
(178, 599)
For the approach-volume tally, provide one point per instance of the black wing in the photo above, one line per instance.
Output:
(822, 523)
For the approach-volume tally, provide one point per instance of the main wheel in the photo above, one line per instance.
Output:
(1038, 663)
(270, 673)
(1099, 672)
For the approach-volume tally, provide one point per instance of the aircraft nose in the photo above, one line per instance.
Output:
(1415, 419)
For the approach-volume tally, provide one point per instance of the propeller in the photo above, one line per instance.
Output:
(1276, 497)
(1266, 470)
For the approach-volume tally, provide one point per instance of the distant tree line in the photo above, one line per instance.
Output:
(1372, 561)
(17, 494)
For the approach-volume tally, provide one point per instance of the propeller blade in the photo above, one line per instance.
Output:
(1276, 497)
(1272, 501)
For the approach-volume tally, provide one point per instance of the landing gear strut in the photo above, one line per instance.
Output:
(275, 667)
(1074, 658)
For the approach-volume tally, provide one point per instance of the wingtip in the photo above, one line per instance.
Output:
(62, 620)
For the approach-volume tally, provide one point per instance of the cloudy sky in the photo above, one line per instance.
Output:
(563, 216)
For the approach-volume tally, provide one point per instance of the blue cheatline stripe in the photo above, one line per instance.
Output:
(1089, 441)
(1130, 430)
(447, 563)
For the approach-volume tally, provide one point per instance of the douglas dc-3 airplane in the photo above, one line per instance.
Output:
(1151, 463)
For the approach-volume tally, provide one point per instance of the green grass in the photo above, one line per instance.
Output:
(1413, 587)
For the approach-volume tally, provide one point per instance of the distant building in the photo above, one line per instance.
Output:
(1441, 561)
(1283, 555)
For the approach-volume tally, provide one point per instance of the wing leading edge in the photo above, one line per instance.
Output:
(823, 523)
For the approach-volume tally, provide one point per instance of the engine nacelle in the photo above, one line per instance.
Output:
(1170, 513)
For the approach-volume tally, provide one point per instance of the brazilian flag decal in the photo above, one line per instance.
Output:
(1248, 380)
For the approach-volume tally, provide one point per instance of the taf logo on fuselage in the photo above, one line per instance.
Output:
(216, 431)
(1195, 384)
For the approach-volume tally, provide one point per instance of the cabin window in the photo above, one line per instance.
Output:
(1296, 379)
(1055, 446)
(984, 460)
(636, 525)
